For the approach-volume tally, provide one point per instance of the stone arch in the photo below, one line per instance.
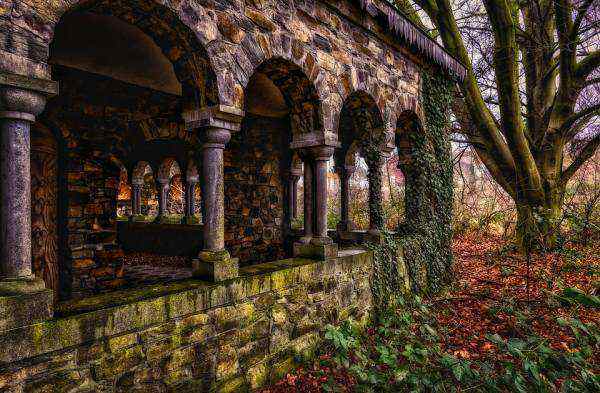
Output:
(191, 174)
(299, 92)
(170, 28)
(408, 124)
(362, 130)
(168, 168)
(361, 119)
(140, 170)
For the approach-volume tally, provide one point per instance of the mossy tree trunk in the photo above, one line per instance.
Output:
(524, 149)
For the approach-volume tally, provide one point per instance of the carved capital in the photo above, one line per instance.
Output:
(215, 137)
(219, 116)
(321, 153)
(22, 97)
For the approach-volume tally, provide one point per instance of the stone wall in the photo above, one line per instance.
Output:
(254, 189)
(190, 336)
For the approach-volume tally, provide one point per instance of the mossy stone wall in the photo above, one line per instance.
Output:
(190, 336)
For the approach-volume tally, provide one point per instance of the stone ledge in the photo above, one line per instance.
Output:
(109, 315)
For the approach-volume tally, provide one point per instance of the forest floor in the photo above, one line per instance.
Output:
(495, 292)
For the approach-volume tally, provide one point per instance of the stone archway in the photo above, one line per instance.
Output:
(362, 132)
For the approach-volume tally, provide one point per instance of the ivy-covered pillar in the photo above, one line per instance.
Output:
(345, 172)
(21, 100)
(215, 125)
(375, 160)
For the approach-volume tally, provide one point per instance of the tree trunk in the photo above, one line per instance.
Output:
(538, 225)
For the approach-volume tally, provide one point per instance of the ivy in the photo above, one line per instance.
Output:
(421, 247)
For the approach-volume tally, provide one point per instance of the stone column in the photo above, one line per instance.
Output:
(376, 218)
(321, 155)
(292, 212)
(21, 100)
(216, 125)
(190, 202)
(136, 199)
(163, 188)
(308, 200)
(345, 173)
(319, 244)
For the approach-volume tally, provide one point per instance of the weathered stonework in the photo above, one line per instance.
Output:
(190, 336)
(236, 97)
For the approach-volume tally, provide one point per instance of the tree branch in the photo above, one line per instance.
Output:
(579, 18)
(571, 120)
(587, 65)
(588, 151)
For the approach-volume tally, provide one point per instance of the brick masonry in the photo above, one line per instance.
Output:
(190, 336)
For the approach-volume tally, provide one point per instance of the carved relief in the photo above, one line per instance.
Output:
(44, 208)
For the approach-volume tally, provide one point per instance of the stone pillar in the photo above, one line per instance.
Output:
(319, 244)
(376, 217)
(308, 200)
(293, 180)
(190, 202)
(163, 188)
(321, 155)
(216, 125)
(21, 100)
(136, 199)
(345, 173)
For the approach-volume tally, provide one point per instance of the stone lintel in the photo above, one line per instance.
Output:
(315, 251)
(219, 116)
(45, 87)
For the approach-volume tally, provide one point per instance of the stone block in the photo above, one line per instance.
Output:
(24, 302)
(316, 251)
(215, 266)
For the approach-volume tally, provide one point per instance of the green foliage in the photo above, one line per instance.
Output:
(387, 279)
(426, 234)
(403, 353)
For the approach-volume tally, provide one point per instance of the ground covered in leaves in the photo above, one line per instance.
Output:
(509, 323)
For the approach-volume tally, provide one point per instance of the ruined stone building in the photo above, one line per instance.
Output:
(150, 157)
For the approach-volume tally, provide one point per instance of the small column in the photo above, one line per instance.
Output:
(216, 125)
(163, 198)
(308, 200)
(345, 173)
(321, 155)
(321, 246)
(293, 178)
(136, 200)
(21, 100)
(190, 202)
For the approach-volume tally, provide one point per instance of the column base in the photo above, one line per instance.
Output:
(215, 266)
(167, 220)
(138, 218)
(192, 221)
(324, 251)
(24, 302)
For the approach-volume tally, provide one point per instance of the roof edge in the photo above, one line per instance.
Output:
(414, 35)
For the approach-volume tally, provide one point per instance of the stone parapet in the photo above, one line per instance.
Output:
(190, 336)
